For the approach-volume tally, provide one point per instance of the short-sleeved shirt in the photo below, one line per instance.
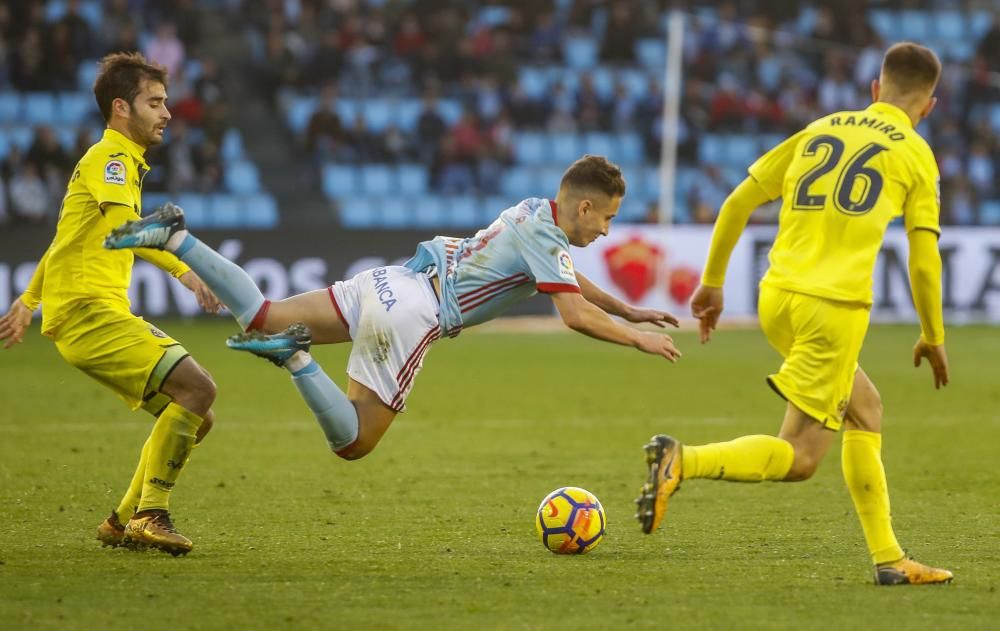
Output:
(842, 180)
(78, 267)
(520, 254)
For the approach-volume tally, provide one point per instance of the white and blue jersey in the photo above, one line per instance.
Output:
(521, 253)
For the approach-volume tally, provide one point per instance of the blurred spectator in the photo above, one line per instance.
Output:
(51, 162)
(29, 196)
(545, 42)
(621, 32)
(78, 33)
(326, 138)
(166, 49)
(431, 129)
(707, 194)
(27, 69)
(982, 175)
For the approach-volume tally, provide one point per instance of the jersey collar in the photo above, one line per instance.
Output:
(555, 212)
(134, 149)
(892, 111)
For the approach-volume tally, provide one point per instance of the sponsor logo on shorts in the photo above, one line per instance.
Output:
(114, 172)
(382, 288)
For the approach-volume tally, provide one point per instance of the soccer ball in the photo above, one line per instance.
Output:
(570, 520)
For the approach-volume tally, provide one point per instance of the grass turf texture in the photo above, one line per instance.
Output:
(435, 528)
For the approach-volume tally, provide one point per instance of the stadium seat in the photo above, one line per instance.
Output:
(195, 209)
(635, 81)
(300, 110)
(651, 52)
(989, 212)
(39, 108)
(259, 211)
(564, 148)
(914, 25)
(347, 110)
(519, 182)
(604, 80)
(4, 143)
(408, 113)
(463, 212)
(711, 149)
(530, 148)
(74, 107)
(949, 25)
(66, 135)
(630, 149)
(580, 52)
(491, 207)
(412, 179)
(494, 15)
(340, 181)
(741, 150)
(232, 145)
(600, 144)
(396, 213)
(429, 211)
(377, 180)
(152, 201)
(224, 211)
(22, 136)
(379, 114)
(86, 74)
(534, 82)
(10, 106)
(450, 110)
(357, 212)
(241, 177)
(883, 21)
(979, 23)
(995, 117)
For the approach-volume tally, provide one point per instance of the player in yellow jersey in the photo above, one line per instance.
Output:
(83, 290)
(842, 180)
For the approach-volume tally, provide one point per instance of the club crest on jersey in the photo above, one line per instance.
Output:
(114, 172)
(156, 332)
(566, 265)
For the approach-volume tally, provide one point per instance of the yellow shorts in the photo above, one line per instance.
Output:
(121, 351)
(820, 340)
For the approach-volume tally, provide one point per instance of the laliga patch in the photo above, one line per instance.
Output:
(114, 172)
(566, 265)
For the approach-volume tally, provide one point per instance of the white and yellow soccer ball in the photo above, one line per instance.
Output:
(570, 520)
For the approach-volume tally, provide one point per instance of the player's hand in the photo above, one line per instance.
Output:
(658, 344)
(206, 299)
(654, 316)
(14, 323)
(936, 357)
(706, 305)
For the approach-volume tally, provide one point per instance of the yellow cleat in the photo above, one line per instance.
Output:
(111, 532)
(663, 456)
(154, 529)
(906, 571)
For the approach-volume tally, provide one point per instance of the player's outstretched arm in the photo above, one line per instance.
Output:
(609, 304)
(14, 323)
(582, 316)
(925, 283)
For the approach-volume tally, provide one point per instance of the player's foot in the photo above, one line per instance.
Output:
(152, 231)
(906, 571)
(277, 348)
(111, 532)
(663, 456)
(153, 528)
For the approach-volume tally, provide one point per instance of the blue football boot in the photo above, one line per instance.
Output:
(152, 231)
(277, 348)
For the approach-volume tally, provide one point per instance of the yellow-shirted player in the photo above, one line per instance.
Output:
(841, 180)
(83, 289)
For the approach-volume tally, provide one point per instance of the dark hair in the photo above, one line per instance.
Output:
(120, 77)
(595, 173)
(911, 67)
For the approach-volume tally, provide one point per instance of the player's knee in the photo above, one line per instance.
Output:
(206, 426)
(356, 450)
(803, 467)
(199, 395)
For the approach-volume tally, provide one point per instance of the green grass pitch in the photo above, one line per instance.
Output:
(435, 528)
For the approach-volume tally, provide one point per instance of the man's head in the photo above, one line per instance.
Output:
(590, 192)
(910, 72)
(132, 96)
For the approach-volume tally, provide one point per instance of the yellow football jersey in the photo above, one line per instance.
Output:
(842, 180)
(77, 268)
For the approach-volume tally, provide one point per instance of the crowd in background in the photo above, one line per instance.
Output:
(40, 52)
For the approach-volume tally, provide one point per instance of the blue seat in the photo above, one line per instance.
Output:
(86, 74)
(75, 107)
(989, 212)
(340, 181)
(979, 23)
(224, 211)
(39, 107)
(711, 149)
(412, 179)
(379, 113)
(534, 82)
(949, 25)
(395, 213)
(67, 136)
(429, 211)
(600, 144)
(22, 136)
(152, 201)
(241, 177)
(580, 52)
(564, 148)
(260, 211)
(741, 150)
(491, 207)
(377, 180)
(604, 80)
(232, 145)
(651, 181)
(883, 21)
(357, 212)
(195, 209)
(299, 111)
(651, 53)
(519, 182)
(529, 148)
(10, 106)
(630, 149)
(995, 117)
(347, 110)
(408, 113)
(914, 24)
(450, 110)
(463, 212)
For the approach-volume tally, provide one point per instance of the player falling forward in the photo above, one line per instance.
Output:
(84, 289)
(842, 179)
(394, 314)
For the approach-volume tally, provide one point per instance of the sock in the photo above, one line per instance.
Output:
(745, 459)
(861, 459)
(332, 408)
(169, 447)
(229, 281)
(130, 502)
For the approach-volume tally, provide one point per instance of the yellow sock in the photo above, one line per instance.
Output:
(861, 460)
(169, 447)
(745, 459)
(130, 502)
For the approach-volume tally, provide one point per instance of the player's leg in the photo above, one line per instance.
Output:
(316, 309)
(864, 474)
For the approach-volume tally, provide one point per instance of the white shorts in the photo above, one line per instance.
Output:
(392, 315)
